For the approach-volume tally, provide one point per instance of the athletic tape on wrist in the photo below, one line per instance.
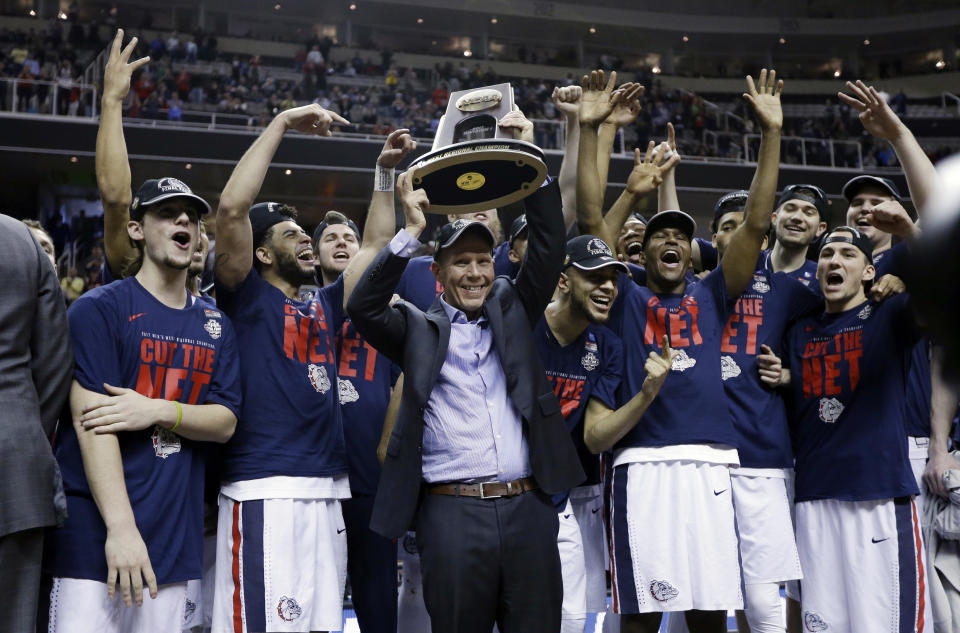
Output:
(383, 179)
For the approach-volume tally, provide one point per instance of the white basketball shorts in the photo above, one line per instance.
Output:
(281, 566)
(674, 545)
(82, 606)
(768, 548)
(863, 566)
(587, 502)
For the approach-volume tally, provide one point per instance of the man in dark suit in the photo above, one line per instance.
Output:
(36, 366)
(479, 441)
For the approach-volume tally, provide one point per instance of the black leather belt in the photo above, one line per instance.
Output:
(487, 489)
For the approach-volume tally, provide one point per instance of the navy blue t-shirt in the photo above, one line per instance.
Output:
(919, 385)
(419, 286)
(364, 379)
(806, 274)
(761, 316)
(290, 424)
(848, 381)
(123, 336)
(589, 367)
(691, 407)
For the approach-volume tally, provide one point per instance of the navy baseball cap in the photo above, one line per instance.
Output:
(727, 203)
(160, 189)
(264, 215)
(318, 232)
(517, 227)
(670, 219)
(854, 185)
(636, 216)
(589, 252)
(808, 193)
(450, 233)
(849, 235)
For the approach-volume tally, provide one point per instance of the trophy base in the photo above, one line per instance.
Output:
(479, 175)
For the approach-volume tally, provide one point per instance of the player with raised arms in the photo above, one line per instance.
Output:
(285, 472)
(684, 444)
(156, 375)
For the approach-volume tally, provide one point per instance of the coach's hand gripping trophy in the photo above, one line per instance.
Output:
(476, 164)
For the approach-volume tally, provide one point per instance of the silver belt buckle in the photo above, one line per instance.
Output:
(483, 494)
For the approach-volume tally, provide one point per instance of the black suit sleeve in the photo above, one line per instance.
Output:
(546, 245)
(382, 325)
(51, 361)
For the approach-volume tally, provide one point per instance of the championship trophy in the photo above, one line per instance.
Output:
(472, 166)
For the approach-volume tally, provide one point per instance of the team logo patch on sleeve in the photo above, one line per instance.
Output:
(213, 314)
(288, 609)
(728, 367)
(213, 328)
(682, 361)
(318, 378)
(165, 443)
(663, 591)
(813, 622)
(348, 393)
(830, 409)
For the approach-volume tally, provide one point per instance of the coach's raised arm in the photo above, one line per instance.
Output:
(479, 432)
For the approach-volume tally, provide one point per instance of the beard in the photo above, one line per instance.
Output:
(580, 307)
(289, 269)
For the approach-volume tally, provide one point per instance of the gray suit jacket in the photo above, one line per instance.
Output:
(418, 341)
(36, 368)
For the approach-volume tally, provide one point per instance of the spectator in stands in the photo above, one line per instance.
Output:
(190, 50)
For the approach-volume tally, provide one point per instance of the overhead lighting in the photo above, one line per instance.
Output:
(468, 53)
(655, 70)
(276, 7)
(836, 74)
(74, 159)
(593, 29)
(941, 65)
(783, 40)
(419, 20)
(685, 38)
(288, 172)
(493, 20)
(62, 16)
(866, 42)
(33, 13)
(353, 6)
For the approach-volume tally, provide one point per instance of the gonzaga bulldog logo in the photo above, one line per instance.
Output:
(348, 393)
(288, 610)
(830, 409)
(728, 368)
(318, 378)
(663, 591)
(813, 622)
(165, 443)
(682, 361)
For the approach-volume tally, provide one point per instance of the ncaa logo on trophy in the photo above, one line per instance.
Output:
(473, 166)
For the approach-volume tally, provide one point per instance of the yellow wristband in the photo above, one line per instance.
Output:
(179, 416)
